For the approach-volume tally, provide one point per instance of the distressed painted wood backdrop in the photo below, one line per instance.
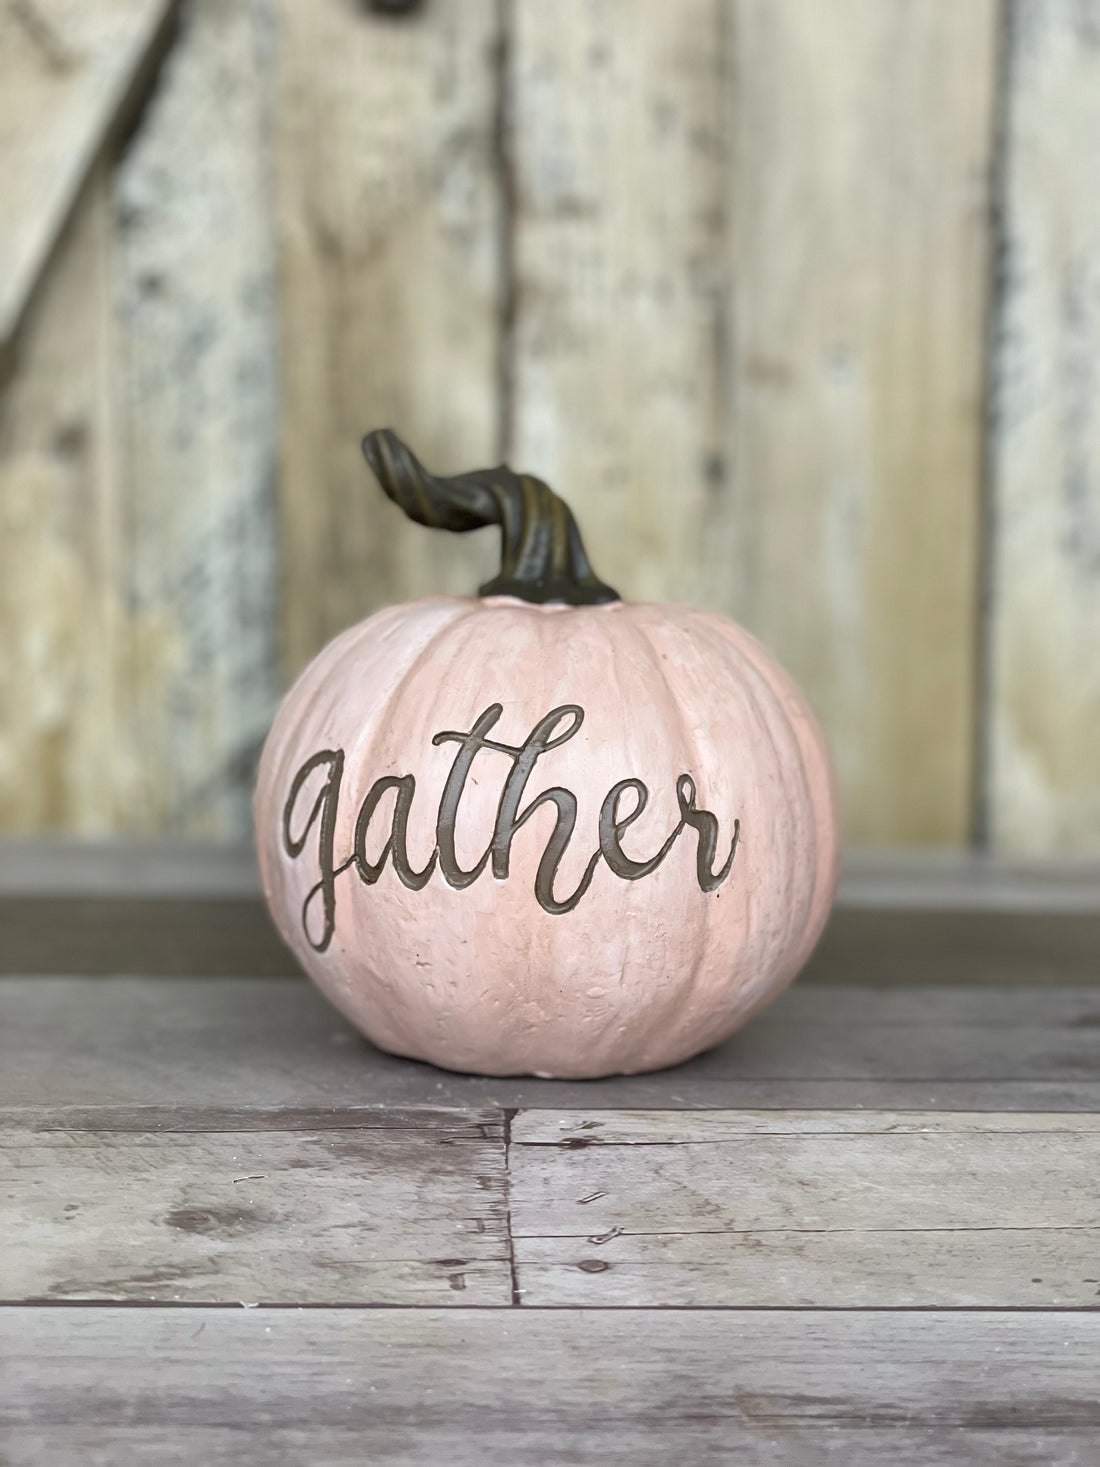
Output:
(798, 304)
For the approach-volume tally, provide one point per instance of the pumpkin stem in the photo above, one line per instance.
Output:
(542, 557)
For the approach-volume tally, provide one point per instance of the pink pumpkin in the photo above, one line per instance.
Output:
(543, 831)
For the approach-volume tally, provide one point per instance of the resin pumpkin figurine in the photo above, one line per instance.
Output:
(541, 830)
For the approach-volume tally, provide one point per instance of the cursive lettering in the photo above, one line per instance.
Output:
(555, 729)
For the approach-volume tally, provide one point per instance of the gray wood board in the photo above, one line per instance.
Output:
(408, 1208)
(232, 933)
(892, 878)
(148, 935)
(275, 1042)
(110, 1386)
(828, 1209)
(819, 1209)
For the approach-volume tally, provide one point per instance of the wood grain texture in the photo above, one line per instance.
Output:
(859, 193)
(577, 1132)
(407, 1211)
(135, 463)
(1044, 753)
(389, 226)
(617, 151)
(275, 1042)
(816, 1209)
(67, 73)
(195, 304)
(275, 1387)
(58, 543)
(859, 1268)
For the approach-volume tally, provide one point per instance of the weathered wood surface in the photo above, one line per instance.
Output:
(58, 507)
(194, 302)
(389, 228)
(67, 75)
(603, 1208)
(276, 1042)
(135, 458)
(859, 216)
(894, 1268)
(233, 1388)
(1044, 750)
(726, 277)
(749, 249)
(403, 1208)
(813, 1209)
(617, 148)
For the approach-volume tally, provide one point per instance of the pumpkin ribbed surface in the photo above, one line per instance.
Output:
(497, 973)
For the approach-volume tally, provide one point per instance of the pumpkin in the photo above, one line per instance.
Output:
(541, 830)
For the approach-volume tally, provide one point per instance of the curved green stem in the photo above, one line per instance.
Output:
(542, 557)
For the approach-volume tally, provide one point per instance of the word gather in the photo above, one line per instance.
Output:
(550, 732)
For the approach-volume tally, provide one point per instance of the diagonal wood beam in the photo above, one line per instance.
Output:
(71, 79)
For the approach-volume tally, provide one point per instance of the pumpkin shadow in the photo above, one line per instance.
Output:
(742, 1071)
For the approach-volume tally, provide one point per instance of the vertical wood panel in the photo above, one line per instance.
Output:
(196, 305)
(863, 138)
(617, 147)
(750, 248)
(56, 547)
(389, 220)
(1044, 783)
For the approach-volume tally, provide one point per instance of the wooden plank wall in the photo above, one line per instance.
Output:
(390, 224)
(57, 569)
(1044, 706)
(861, 236)
(194, 302)
(69, 73)
(797, 304)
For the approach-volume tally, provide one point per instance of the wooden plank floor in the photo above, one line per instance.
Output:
(865, 1230)
(428, 1388)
